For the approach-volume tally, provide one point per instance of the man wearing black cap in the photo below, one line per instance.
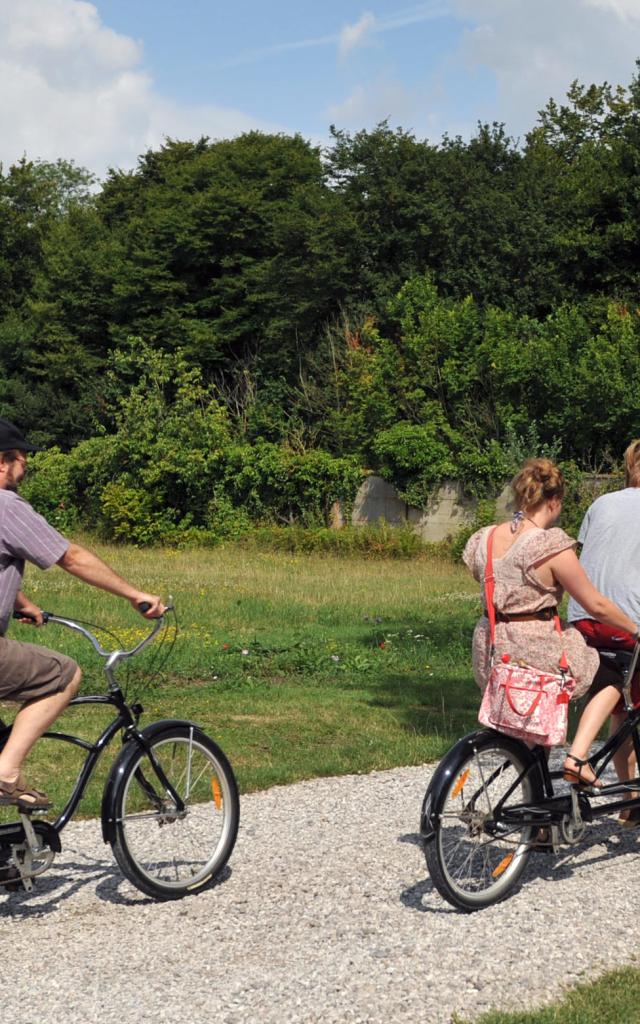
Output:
(42, 681)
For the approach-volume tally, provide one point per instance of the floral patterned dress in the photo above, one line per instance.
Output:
(519, 589)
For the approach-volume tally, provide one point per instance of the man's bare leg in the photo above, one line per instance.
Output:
(32, 720)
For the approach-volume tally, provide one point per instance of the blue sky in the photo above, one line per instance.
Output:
(100, 82)
(296, 64)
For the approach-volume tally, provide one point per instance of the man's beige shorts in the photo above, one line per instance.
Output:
(28, 671)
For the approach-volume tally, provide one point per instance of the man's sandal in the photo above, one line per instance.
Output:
(541, 841)
(16, 794)
(576, 778)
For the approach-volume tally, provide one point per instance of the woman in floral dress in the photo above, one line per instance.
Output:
(534, 562)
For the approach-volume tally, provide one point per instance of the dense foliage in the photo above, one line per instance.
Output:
(237, 329)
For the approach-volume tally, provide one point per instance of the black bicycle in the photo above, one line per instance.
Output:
(170, 807)
(492, 800)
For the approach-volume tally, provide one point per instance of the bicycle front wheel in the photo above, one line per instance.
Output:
(168, 853)
(482, 842)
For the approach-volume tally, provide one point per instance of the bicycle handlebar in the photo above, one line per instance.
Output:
(113, 656)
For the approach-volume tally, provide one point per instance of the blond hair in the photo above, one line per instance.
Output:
(632, 464)
(538, 481)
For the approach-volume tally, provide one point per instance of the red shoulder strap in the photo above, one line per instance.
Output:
(490, 586)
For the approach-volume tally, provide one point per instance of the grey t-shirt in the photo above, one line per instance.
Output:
(24, 536)
(610, 533)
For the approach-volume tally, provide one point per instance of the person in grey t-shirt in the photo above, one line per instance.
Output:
(610, 535)
(42, 681)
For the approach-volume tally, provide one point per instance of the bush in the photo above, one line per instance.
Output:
(128, 513)
(414, 458)
(48, 487)
(273, 484)
(172, 473)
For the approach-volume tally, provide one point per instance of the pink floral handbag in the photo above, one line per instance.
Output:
(521, 700)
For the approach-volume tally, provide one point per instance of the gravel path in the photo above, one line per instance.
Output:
(326, 914)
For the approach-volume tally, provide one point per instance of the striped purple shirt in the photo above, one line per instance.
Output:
(24, 536)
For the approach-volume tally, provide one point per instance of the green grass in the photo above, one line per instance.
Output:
(613, 999)
(351, 665)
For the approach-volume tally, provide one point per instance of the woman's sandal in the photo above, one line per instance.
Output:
(577, 778)
(16, 794)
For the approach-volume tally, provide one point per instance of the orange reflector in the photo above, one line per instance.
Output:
(502, 866)
(460, 783)
(217, 793)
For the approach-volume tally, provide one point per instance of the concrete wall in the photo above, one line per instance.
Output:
(448, 511)
(377, 501)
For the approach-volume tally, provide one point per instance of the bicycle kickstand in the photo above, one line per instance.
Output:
(573, 825)
(25, 854)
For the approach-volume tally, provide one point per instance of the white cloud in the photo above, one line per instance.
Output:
(622, 8)
(387, 99)
(74, 88)
(368, 104)
(535, 50)
(368, 24)
(352, 36)
(414, 15)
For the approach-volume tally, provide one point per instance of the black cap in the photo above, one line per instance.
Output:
(11, 437)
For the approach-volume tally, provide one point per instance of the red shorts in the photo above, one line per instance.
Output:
(608, 638)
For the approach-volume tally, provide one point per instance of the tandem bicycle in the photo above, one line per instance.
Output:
(491, 796)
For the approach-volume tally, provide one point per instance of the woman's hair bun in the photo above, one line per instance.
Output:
(538, 481)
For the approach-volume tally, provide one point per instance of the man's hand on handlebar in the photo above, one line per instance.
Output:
(27, 612)
(148, 605)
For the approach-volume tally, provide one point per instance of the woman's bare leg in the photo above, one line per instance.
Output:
(624, 758)
(32, 720)
(624, 761)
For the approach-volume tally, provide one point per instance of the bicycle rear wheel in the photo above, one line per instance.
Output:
(480, 847)
(165, 852)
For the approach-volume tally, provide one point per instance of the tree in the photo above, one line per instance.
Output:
(37, 200)
(594, 145)
(33, 196)
(229, 248)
